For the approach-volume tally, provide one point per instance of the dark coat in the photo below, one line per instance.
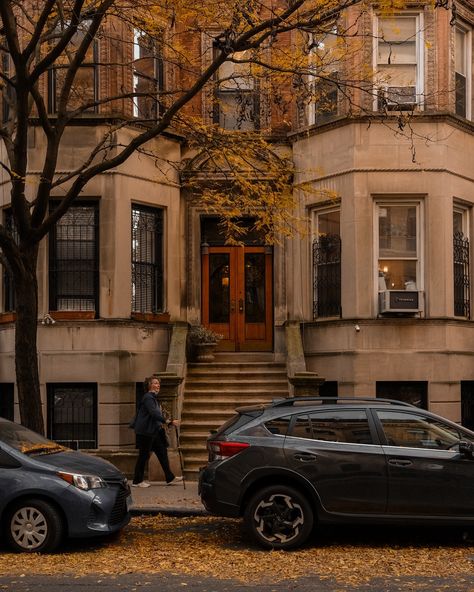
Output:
(149, 417)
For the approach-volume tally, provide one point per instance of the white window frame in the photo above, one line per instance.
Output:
(420, 62)
(137, 33)
(394, 202)
(312, 78)
(467, 32)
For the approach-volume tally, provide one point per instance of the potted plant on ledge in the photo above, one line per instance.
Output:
(203, 342)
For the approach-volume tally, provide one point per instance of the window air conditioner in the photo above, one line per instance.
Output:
(400, 97)
(407, 301)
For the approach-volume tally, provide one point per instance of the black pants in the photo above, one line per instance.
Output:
(147, 445)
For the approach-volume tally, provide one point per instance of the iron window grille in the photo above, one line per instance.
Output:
(74, 260)
(462, 287)
(327, 276)
(7, 400)
(147, 259)
(72, 414)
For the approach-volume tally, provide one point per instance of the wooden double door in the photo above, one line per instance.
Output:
(237, 297)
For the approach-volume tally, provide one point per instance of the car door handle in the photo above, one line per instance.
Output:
(400, 462)
(305, 457)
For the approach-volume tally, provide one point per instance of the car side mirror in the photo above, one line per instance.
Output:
(466, 448)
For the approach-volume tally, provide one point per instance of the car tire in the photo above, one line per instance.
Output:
(34, 526)
(279, 517)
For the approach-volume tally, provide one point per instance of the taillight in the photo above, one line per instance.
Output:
(220, 449)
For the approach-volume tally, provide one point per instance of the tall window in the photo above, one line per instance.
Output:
(85, 87)
(461, 272)
(147, 259)
(327, 264)
(398, 246)
(6, 400)
(236, 100)
(463, 71)
(399, 61)
(148, 76)
(325, 56)
(72, 414)
(74, 260)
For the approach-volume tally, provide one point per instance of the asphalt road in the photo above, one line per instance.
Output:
(169, 583)
(208, 554)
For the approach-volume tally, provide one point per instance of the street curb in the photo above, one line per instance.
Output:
(168, 511)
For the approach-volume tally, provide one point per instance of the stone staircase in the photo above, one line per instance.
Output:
(213, 391)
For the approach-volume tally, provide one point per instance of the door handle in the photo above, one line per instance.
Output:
(305, 457)
(400, 462)
(241, 305)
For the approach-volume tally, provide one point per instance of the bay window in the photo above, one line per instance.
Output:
(398, 246)
(399, 61)
(85, 88)
(461, 256)
(327, 264)
(462, 73)
(236, 97)
(148, 76)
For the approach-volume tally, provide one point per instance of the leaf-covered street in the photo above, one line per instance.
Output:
(217, 549)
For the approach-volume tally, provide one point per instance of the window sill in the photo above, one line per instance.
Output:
(7, 317)
(151, 317)
(67, 315)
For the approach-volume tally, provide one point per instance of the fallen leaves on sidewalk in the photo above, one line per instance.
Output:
(217, 547)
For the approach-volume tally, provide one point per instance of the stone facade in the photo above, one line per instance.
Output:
(353, 164)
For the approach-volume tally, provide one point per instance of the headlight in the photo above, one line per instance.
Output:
(84, 482)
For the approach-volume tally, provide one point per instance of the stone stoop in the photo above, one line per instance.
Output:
(214, 390)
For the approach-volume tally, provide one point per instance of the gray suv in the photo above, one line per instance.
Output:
(300, 461)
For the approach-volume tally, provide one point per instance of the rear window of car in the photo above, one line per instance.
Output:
(346, 425)
(236, 422)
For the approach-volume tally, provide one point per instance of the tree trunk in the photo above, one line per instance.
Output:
(26, 355)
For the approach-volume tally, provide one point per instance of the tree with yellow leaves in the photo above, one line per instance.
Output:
(228, 78)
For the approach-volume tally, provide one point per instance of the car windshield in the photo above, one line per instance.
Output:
(25, 440)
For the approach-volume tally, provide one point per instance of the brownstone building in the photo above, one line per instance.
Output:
(375, 298)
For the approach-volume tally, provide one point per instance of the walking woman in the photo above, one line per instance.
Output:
(151, 436)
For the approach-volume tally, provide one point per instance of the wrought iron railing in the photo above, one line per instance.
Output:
(462, 285)
(327, 276)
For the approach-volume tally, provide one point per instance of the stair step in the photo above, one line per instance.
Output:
(213, 391)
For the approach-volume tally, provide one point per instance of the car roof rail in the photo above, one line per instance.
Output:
(290, 401)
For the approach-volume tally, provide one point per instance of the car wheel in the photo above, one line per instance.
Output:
(279, 517)
(34, 526)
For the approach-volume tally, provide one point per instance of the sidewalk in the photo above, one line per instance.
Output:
(174, 500)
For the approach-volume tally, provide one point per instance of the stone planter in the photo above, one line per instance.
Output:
(204, 352)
